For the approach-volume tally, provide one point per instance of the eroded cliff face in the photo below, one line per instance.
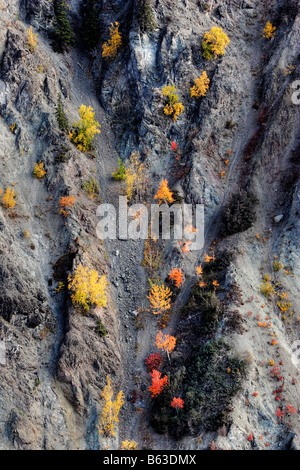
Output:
(243, 137)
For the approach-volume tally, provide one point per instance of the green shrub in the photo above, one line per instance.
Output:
(207, 53)
(91, 187)
(239, 214)
(208, 305)
(120, 173)
(277, 265)
(60, 115)
(101, 330)
(62, 156)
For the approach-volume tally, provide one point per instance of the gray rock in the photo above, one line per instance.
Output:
(278, 218)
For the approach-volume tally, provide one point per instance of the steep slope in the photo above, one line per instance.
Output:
(242, 138)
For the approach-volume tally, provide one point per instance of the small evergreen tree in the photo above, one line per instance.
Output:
(63, 33)
(60, 115)
(145, 16)
(91, 30)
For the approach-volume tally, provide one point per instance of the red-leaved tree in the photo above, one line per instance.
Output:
(153, 361)
(158, 383)
(177, 403)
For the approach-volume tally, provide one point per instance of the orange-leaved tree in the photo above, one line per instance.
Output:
(186, 247)
(159, 297)
(110, 412)
(165, 342)
(176, 275)
(158, 383)
(199, 271)
(164, 194)
(111, 48)
(66, 202)
(177, 403)
(201, 86)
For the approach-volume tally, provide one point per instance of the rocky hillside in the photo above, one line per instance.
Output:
(236, 320)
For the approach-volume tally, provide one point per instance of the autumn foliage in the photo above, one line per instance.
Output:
(177, 403)
(215, 43)
(165, 342)
(88, 288)
(158, 383)
(129, 445)
(135, 176)
(66, 203)
(173, 106)
(199, 271)
(31, 39)
(8, 199)
(153, 361)
(176, 276)
(201, 86)
(111, 48)
(174, 146)
(110, 412)
(85, 129)
(164, 194)
(269, 30)
(39, 172)
(159, 297)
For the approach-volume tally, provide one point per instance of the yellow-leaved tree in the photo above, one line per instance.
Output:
(8, 199)
(129, 445)
(215, 43)
(173, 106)
(85, 129)
(136, 180)
(31, 39)
(269, 30)
(39, 172)
(111, 48)
(201, 86)
(110, 412)
(87, 287)
(159, 297)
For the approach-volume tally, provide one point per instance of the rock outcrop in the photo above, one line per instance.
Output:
(241, 138)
